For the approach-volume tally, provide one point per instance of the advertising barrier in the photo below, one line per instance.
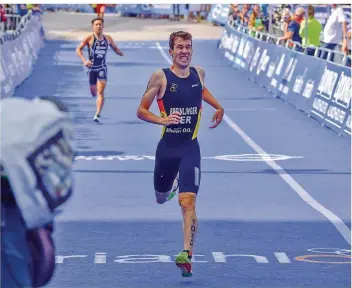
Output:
(271, 67)
(244, 51)
(303, 84)
(219, 14)
(319, 88)
(19, 55)
(333, 98)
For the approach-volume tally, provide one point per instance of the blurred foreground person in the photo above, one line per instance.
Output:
(36, 180)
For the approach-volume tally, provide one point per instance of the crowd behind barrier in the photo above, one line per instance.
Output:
(220, 12)
(11, 29)
(318, 87)
(274, 19)
(13, 19)
(321, 52)
(19, 53)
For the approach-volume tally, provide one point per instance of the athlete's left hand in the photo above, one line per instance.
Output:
(217, 118)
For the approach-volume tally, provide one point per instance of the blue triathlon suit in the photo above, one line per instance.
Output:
(97, 54)
(178, 149)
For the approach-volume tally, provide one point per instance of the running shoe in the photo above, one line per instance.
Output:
(96, 118)
(183, 261)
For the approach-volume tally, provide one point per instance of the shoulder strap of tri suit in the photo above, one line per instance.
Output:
(89, 41)
(194, 71)
(166, 71)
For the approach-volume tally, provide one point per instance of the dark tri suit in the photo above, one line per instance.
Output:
(97, 54)
(178, 149)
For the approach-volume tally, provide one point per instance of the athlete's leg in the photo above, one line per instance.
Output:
(101, 84)
(165, 172)
(93, 90)
(100, 100)
(189, 181)
(92, 76)
(187, 201)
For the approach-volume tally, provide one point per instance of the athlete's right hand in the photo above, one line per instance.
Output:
(87, 63)
(173, 118)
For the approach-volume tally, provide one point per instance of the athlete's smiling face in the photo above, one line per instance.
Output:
(98, 26)
(182, 52)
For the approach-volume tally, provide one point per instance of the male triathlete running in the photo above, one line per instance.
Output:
(98, 44)
(179, 91)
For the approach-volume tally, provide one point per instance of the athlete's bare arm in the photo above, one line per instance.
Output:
(113, 45)
(211, 100)
(153, 89)
(79, 49)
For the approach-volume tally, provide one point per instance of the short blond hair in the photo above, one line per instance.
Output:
(299, 11)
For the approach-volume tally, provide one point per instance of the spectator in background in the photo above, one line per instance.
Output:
(36, 11)
(235, 13)
(7, 8)
(186, 12)
(255, 21)
(194, 13)
(313, 29)
(286, 18)
(204, 11)
(3, 20)
(292, 33)
(191, 15)
(245, 14)
(100, 10)
(35, 8)
(346, 46)
(278, 12)
(264, 8)
(2, 14)
(22, 9)
(335, 30)
(176, 12)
